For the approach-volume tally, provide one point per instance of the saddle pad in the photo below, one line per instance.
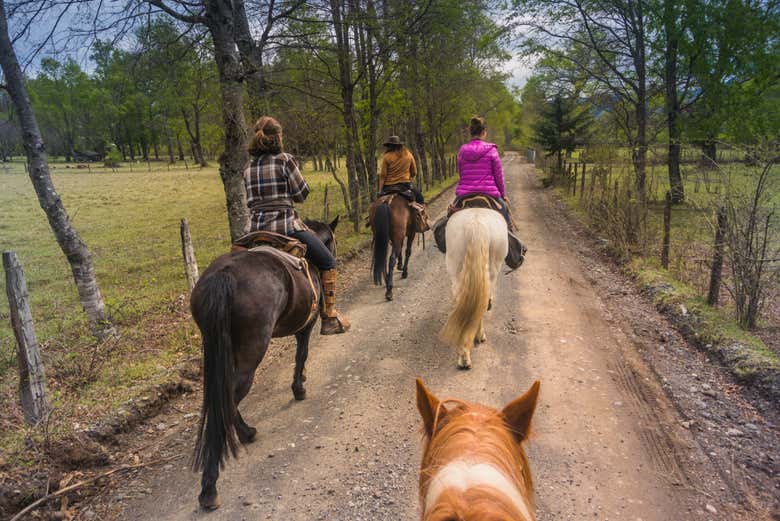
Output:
(294, 262)
(266, 238)
(297, 264)
(478, 201)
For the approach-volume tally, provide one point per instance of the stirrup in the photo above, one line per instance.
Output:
(341, 325)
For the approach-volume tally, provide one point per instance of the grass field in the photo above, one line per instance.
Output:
(130, 221)
(692, 223)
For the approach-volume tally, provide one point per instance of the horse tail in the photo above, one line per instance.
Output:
(473, 288)
(381, 226)
(217, 429)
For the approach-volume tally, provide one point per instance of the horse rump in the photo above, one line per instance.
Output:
(211, 304)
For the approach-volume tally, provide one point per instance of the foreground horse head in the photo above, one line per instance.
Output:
(241, 301)
(474, 467)
(391, 223)
(476, 247)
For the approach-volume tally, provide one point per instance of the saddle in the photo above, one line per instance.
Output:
(280, 242)
(419, 212)
(474, 201)
(516, 253)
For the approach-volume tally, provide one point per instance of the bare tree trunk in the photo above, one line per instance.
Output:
(220, 22)
(348, 108)
(70, 242)
(180, 147)
(672, 102)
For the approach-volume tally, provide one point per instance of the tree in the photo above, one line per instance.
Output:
(561, 127)
(608, 41)
(70, 242)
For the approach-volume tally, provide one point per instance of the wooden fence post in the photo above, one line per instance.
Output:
(188, 252)
(582, 181)
(574, 180)
(568, 176)
(32, 377)
(717, 259)
(667, 228)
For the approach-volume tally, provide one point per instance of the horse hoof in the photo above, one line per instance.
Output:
(464, 363)
(299, 393)
(389, 296)
(404, 275)
(209, 500)
(480, 339)
(490, 304)
(247, 436)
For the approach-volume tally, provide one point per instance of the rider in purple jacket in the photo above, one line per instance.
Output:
(480, 167)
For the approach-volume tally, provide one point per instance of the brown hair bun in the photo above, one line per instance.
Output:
(477, 125)
(267, 138)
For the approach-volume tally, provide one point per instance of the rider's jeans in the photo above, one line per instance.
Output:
(316, 251)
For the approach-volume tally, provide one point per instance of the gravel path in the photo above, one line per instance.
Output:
(607, 444)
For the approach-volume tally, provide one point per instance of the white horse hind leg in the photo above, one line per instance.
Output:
(481, 337)
(464, 356)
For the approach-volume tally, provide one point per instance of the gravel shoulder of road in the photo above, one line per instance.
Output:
(735, 426)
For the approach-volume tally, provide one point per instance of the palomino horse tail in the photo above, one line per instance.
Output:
(473, 288)
(217, 430)
(381, 225)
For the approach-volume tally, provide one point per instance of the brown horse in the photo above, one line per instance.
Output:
(243, 300)
(474, 467)
(391, 223)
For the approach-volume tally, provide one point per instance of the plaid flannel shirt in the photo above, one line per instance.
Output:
(273, 182)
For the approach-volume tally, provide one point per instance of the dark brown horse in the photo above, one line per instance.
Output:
(243, 300)
(391, 223)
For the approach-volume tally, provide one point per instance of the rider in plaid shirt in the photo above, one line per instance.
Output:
(273, 183)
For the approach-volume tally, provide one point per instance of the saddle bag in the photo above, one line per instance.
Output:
(516, 253)
(440, 234)
(421, 222)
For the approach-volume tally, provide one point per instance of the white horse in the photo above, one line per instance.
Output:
(476, 246)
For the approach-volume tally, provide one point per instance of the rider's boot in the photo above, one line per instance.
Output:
(332, 322)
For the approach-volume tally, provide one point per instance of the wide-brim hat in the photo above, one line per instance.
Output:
(393, 140)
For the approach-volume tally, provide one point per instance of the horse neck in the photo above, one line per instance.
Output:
(477, 435)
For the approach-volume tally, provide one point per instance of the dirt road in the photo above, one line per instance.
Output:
(607, 444)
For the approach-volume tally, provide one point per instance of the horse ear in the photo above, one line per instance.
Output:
(334, 224)
(427, 404)
(518, 413)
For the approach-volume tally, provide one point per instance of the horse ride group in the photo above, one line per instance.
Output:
(282, 274)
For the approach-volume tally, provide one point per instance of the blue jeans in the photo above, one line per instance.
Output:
(316, 251)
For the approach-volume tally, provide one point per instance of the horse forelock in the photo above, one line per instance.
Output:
(479, 437)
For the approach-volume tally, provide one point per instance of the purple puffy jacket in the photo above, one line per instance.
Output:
(480, 169)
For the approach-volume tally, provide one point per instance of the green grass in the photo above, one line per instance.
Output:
(715, 328)
(130, 221)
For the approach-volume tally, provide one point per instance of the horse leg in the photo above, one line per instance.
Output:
(246, 434)
(480, 337)
(464, 356)
(400, 263)
(301, 354)
(409, 243)
(389, 277)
